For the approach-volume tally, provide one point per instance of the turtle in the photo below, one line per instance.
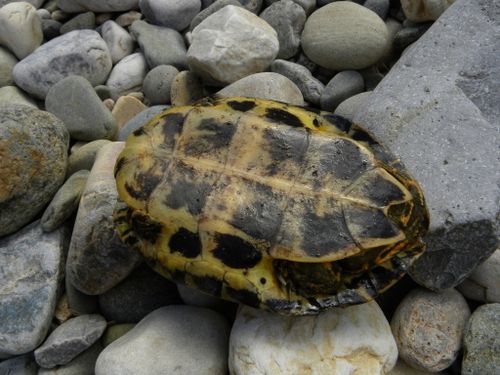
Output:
(280, 207)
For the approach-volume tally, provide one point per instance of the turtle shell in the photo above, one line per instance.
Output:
(275, 206)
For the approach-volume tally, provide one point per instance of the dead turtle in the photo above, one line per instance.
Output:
(275, 206)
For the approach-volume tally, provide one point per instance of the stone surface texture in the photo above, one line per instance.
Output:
(83, 364)
(174, 14)
(437, 109)
(99, 6)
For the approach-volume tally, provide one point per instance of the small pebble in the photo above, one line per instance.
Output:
(342, 86)
(62, 312)
(119, 41)
(7, 62)
(51, 29)
(83, 158)
(128, 74)
(128, 18)
(186, 88)
(80, 22)
(125, 108)
(174, 14)
(424, 10)
(158, 83)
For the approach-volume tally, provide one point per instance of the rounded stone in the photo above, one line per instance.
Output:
(51, 29)
(19, 365)
(115, 331)
(481, 341)
(186, 89)
(126, 108)
(84, 156)
(128, 74)
(267, 85)
(353, 340)
(186, 339)
(424, 10)
(86, 117)
(119, 41)
(80, 52)
(20, 28)
(381, 7)
(138, 120)
(211, 9)
(174, 14)
(7, 62)
(428, 328)
(158, 83)
(33, 160)
(342, 86)
(349, 107)
(307, 5)
(231, 44)
(84, 363)
(14, 95)
(344, 35)
(80, 22)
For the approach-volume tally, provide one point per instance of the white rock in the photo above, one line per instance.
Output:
(424, 10)
(128, 74)
(35, 3)
(119, 41)
(354, 340)
(99, 6)
(231, 44)
(20, 28)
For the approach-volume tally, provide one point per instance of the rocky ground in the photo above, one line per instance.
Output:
(76, 77)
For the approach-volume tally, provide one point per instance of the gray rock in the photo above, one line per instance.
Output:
(267, 85)
(138, 120)
(230, 44)
(483, 284)
(437, 109)
(160, 45)
(84, 157)
(43, 13)
(32, 164)
(357, 36)
(253, 6)
(79, 303)
(79, 52)
(428, 328)
(211, 9)
(97, 6)
(65, 202)
(310, 87)
(408, 35)
(143, 291)
(381, 7)
(288, 19)
(307, 5)
(29, 285)
(342, 86)
(350, 107)
(186, 88)
(70, 339)
(75, 102)
(7, 62)
(97, 259)
(372, 77)
(158, 83)
(21, 365)
(424, 10)
(119, 41)
(20, 28)
(174, 14)
(481, 341)
(187, 339)
(80, 22)
(14, 95)
(127, 75)
(51, 29)
(82, 364)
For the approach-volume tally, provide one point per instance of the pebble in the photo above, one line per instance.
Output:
(349, 107)
(307, 5)
(174, 14)
(186, 339)
(186, 89)
(354, 340)
(80, 22)
(160, 45)
(128, 18)
(59, 15)
(32, 164)
(14, 95)
(97, 6)
(424, 10)
(483, 284)
(51, 29)
(128, 74)
(69, 340)
(143, 291)
(97, 259)
(158, 83)
(428, 328)
(288, 19)
(211, 9)
(65, 202)
(115, 331)
(83, 157)
(20, 365)
(20, 28)
(139, 120)
(267, 85)
(482, 341)
(32, 263)
(310, 87)
(125, 108)
(408, 35)
(7, 62)
(380, 7)
(75, 102)
(119, 41)
(344, 36)
(80, 365)
(342, 86)
(245, 43)
(61, 57)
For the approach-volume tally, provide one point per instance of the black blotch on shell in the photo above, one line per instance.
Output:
(362, 135)
(241, 106)
(236, 252)
(339, 122)
(145, 227)
(119, 165)
(282, 116)
(146, 183)
(186, 243)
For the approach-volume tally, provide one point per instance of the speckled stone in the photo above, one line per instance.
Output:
(33, 149)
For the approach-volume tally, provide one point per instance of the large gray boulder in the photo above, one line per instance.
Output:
(438, 110)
